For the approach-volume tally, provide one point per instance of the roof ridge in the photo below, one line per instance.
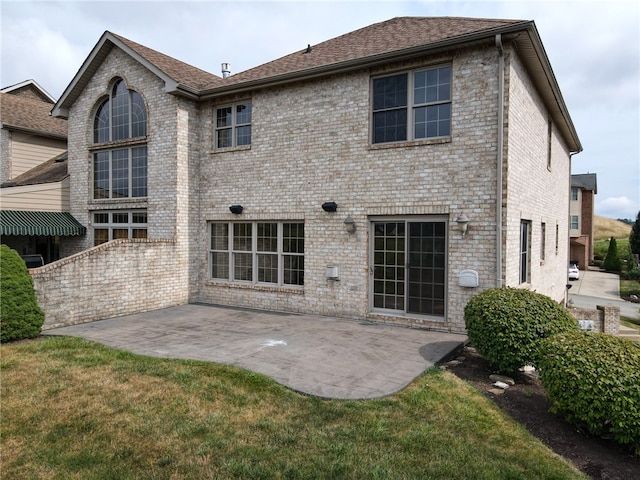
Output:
(394, 35)
(182, 72)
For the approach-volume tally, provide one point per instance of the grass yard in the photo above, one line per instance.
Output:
(72, 409)
(629, 287)
(601, 247)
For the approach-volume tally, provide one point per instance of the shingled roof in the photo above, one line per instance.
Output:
(587, 181)
(20, 112)
(183, 73)
(368, 43)
(53, 170)
(397, 39)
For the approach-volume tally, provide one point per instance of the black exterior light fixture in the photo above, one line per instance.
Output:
(237, 209)
(330, 206)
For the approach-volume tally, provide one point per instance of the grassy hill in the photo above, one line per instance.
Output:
(604, 228)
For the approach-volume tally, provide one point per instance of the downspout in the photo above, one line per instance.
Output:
(499, 160)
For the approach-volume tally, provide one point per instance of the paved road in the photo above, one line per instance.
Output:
(600, 288)
(323, 356)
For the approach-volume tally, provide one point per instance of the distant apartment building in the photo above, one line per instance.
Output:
(581, 210)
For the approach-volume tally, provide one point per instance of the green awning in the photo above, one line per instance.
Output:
(15, 222)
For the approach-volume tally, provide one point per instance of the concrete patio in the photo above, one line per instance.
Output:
(322, 356)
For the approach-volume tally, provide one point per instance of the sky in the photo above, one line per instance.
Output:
(593, 48)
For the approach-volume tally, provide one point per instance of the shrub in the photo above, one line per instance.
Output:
(506, 324)
(612, 261)
(21, 317)
(633, 274)
(594, 380)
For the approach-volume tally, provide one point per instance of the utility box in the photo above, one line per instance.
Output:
(468, 278)
(333, 272)
(586, 325)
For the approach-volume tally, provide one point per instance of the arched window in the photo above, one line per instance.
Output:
(120, 171)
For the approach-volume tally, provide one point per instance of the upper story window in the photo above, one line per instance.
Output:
(412, 105)
(233, 125)
(120, 169)
(574, 193)
(575, 222)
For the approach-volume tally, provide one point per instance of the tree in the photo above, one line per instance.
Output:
(612, 261)
(634, 236)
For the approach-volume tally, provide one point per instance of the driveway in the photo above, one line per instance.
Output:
(322, 356)
(600, 288)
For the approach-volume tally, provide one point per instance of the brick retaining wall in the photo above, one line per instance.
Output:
(605, 319)
(117, 278)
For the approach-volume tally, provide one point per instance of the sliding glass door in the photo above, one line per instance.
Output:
(409, 266)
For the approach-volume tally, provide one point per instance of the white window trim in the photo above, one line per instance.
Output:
(411, 106)
(111, 226)
(233, 127)
(129, 149)
(254, 254)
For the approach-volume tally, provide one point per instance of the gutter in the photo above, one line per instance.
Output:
(499, 160)
(17, 128)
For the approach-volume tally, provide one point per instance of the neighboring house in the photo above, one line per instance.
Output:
(390, 173)
(34, 193)
(581, 210)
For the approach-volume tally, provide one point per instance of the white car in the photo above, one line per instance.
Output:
(574, 273)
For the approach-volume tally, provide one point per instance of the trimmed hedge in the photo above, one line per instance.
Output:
(21, 317)
(506, 324)
(594, 380)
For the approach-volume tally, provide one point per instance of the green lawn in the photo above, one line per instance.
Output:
(73, 409)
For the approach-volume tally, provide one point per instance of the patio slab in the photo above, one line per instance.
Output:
(322, 356)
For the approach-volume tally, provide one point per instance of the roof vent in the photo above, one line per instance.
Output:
(226, 70)
(308, 50)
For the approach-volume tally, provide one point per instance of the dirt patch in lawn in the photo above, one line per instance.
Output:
(526, 402)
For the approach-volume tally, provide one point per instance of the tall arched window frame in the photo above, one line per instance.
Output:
(120, 145)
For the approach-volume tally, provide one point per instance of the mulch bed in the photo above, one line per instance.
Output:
(526, 402)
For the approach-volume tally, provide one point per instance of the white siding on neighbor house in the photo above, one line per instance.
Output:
(575, 208)
(28, 151)
(535, 192)
(45, 197)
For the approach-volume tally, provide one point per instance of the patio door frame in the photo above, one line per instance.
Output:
(402, 256)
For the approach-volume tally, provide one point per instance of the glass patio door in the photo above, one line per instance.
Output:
(409, 260)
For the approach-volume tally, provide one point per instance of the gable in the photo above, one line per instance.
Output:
(29, 89)
(178, 77)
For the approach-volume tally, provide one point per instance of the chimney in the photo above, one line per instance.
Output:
(225, 70)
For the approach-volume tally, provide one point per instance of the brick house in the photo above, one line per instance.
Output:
(584, 187)
(388, 174)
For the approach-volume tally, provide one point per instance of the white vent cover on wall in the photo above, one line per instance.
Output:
(468, 278)
(333, 272)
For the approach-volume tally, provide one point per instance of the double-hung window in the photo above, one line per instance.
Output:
(120, 148)
(257, 252)
(412, 105)
(233, 125)
(575, 222)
